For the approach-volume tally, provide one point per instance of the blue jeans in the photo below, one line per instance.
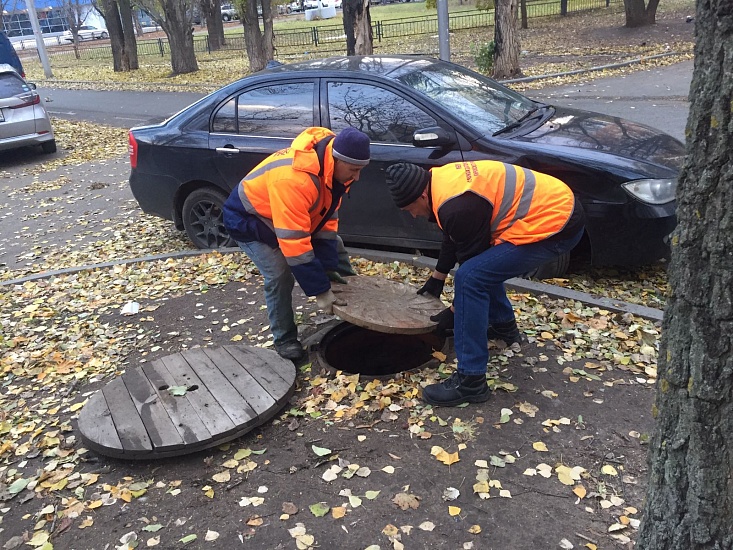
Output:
(278, 285)
(480, 297)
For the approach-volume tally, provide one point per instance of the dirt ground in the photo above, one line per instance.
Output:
(559, 450)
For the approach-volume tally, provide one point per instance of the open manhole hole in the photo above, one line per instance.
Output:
(387, 329)
(357, 350)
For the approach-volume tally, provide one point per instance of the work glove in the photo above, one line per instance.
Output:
(432, 286)
(445, 320)
(327, 300)
(336, 277)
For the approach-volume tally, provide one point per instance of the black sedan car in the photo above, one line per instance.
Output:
(416, 109)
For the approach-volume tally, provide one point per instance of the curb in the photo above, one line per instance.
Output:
(517, 284)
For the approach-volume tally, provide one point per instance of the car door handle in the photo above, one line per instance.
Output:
(227, 150)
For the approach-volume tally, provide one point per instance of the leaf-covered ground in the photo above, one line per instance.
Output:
(555, 459)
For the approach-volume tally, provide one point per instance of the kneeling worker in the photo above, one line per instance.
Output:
(499, 221)
(284, 216)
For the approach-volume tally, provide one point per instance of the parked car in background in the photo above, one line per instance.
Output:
(415, 109)
(86, 32)
(229, 12)
(23, 119)
(9, 55)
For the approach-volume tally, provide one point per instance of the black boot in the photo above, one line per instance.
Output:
(458, 388)
(507, 332)
(292, 350)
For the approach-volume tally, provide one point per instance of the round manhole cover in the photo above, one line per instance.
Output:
(388, 306)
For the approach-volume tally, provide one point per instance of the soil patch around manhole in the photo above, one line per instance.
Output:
(391, 460)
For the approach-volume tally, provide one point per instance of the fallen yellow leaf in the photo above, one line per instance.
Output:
(579, 491)
(539, 446)
(454, 510)
(475, 529)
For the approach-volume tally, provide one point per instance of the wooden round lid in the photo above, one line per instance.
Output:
(388, 306)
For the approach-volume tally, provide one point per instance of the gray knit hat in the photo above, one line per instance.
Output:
(351, 146)
(406, 182)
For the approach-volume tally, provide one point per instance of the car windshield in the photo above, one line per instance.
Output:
(481, 102)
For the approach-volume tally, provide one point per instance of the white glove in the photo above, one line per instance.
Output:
(327, 300)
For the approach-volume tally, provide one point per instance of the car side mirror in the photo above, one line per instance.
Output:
(432, 137)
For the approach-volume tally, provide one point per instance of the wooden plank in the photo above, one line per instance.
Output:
(180, 410)
(97, 428)
(273, 373)
(387, 306)
(215, 419)
(247, 386)
(161, 430)
(238, 409)
(129, 426)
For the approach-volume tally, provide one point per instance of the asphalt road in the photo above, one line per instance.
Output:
(656, 97)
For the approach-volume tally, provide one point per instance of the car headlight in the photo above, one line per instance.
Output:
(659, 191)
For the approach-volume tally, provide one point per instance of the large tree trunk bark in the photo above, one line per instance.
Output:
(506, 40)
(363, 31)
(180, 38)
(358, 27)
(269, 29)
(639, 15)
(128, 30)
(121, 34)
(211, 10)
(689, 503)
(259, 45)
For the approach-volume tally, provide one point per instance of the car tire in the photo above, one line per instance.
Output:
(203, 219)
(552, 269)
(103, 36)
(48, 147)
(226, 18)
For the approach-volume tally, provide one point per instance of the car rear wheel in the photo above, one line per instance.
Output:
(226, 18)
(203, 219)
(103, 35)
(48, 147)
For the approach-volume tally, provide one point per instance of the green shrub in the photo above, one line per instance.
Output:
(431, 4)
(484, 4)
(483, 54)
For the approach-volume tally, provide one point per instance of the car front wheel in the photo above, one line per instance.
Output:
(103, 35)
(226, 18)
(203, 219)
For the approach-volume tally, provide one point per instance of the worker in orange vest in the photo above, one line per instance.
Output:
(499, 221)
(284, 215)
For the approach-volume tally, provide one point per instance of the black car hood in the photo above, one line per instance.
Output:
(608, 134)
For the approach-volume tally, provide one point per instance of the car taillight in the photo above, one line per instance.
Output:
(29, 99)
(132, 149)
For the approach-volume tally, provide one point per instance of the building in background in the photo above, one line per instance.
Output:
(51, 17)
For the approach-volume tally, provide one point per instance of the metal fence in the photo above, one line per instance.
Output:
(323, 36)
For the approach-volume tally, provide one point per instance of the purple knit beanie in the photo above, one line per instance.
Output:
(351, 146)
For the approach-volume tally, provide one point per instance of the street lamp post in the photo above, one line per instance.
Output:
(40, 43)
(443, 30)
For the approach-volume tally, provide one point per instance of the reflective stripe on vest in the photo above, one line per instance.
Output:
(527, 206)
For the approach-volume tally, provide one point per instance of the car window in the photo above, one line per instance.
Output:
(281, 110)
(380, 113)
(11, 85)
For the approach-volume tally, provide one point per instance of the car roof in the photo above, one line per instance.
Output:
(389, 66)
(5, 68)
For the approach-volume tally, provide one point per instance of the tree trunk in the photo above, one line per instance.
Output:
(128, 31)
(689, 502)
(363, 31)
(506, 40)
(175, 17)
(358, 27)
(211, 10)
(121, 35)
(259, 46)
(639, 15)
(269, 29)
(180, 39)
(523, 13)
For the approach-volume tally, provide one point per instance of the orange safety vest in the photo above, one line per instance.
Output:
(528, 206)
(291, 193)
